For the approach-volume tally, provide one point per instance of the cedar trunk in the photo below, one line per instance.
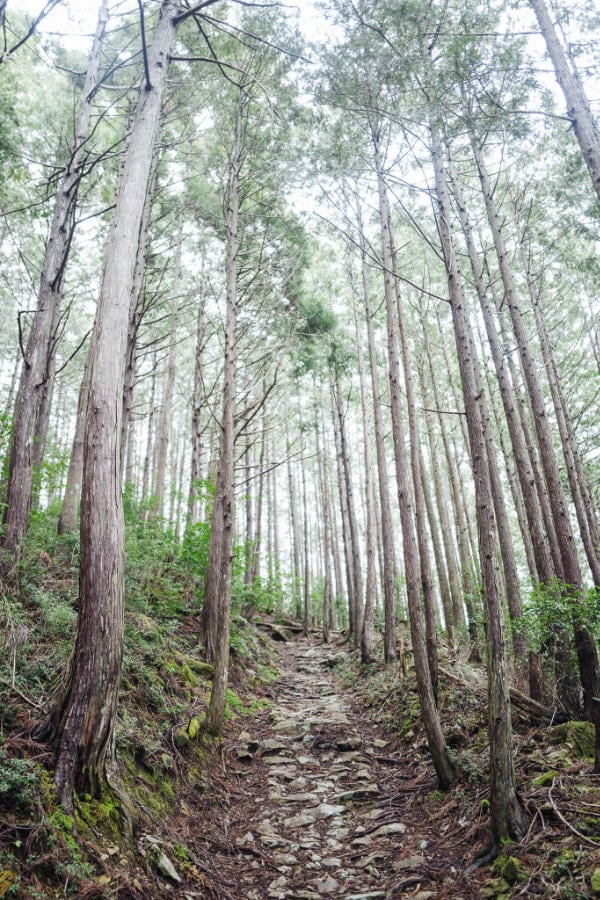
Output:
(81, 723)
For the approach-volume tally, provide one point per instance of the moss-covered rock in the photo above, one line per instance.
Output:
(189, 733)
(578, 738)
(195, 666)
(510, 869)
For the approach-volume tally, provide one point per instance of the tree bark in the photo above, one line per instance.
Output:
(425, 667)
(197, 398)
(387, 542)
(367, 637)
(37, 365)
(69, 512)
(81, 723)
(357, 577)
(217, 591)
(578, 106)
(587, 654)
(507, 816)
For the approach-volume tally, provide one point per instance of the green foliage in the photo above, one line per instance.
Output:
(194, 551)
(155, 582)
(19, 782)
(554, 607)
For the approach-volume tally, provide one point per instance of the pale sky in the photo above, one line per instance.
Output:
(76, 20)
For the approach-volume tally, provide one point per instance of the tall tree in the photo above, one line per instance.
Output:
(38, 360)
(82, 719)
(578, 106)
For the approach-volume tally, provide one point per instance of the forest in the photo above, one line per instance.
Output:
(300, 448)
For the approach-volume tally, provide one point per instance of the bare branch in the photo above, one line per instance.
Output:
(144, 46)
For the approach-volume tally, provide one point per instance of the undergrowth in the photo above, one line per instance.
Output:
(560, 856)
(165, 685)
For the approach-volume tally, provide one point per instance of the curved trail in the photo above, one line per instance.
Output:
(319, 806)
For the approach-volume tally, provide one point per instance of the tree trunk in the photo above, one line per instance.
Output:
(507, 815)
(412, 568)
(136, 308)
(149, 435)
(297, 573)
(387, 541)
(580, 491)
(420, 514)
(578, 106)
(36, 368)
(366, 636)
(347, 540)
(357, 578)
(69, 513)
(197, 398)
(81, 723)
(217, 591)
(166, 411)
(438, 553)
(306, 586)
(525, 474)
(589, 667)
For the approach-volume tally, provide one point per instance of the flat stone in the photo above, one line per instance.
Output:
(348, 756)
(284, 774)
(301, 820)
(284, 859)
(311, 799)
(272, 746)
(362, 841)
(326, 885)
(361, 793)
(368, 860)
(291, 727)
(276, 760)
(299, 783)
(244, 755)
(390, 828)
(327, 810)
(166, 868)
(277, 888)
(410, 862)
(332, 862)
(372, 895)
(248, 838)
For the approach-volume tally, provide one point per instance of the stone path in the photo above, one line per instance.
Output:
(321, 822)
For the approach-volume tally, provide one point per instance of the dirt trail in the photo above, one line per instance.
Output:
(319, 805)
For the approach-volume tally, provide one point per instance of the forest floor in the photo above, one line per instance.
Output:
(321, 786)
(313, 797)
(318, 802)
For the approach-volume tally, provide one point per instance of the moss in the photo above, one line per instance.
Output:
(546, 779)
(104, 814)
(197, 666)
(193, 728)
(583, 737)
(595, 883)
(578, 736)
(181, 738)
(510, 869)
